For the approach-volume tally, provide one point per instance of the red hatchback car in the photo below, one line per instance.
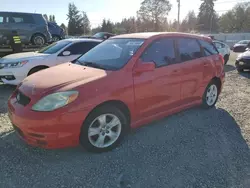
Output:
(124, 82)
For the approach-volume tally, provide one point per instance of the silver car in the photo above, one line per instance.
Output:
(223, 49)
(32, 28)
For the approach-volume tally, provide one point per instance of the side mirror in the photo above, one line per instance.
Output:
(66, 53)
(144, 67)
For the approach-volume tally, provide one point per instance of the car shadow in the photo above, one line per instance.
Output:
(194, 148)
(229, 68)
(5, 92)
(245, 74)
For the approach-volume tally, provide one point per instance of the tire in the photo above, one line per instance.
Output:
(38, 39)
(210, 101)
(226, 58)
(36, 69)
(100, 140)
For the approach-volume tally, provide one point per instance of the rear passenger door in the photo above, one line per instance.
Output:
(23, 23)
(211, 60)
(192, 67)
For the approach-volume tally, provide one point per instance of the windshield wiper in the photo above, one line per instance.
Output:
(94, 65)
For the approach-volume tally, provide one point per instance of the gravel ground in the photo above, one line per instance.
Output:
(195, 148)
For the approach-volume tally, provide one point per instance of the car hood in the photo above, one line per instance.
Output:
(240, 45)
(22, 56)
(245, 55)
(66, 75)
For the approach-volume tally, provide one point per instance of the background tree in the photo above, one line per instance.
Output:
(237, 19)
(85, 23)
(104, 25)
(207, 17)
(64, 28)
(154, 13)
(53, 18)
(75, 23)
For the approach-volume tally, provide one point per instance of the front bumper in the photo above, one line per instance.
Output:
(242, 64)
(50, 130)
(13, 76)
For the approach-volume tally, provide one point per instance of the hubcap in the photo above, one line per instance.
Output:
(104, 130)
(39, 40)
(211, 96)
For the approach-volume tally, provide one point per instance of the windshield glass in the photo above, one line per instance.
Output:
(112, 54)
(54, 48)
(98, 35)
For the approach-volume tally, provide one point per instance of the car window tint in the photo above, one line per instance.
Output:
(81, 47)
(209, 48)
(1, 19)
(189, 49)
(161, 52)
(217, 45)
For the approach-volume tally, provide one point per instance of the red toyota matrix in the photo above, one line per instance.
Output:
(125, 82)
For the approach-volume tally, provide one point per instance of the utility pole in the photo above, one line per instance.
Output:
(179, 7)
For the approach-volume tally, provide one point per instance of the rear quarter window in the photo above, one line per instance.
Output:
(39, 19)
(209, 48)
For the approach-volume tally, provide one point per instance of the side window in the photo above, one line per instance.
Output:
(161, 52)
(218, 45)
(81, 47)
(189, 49)
(1, 19)
(208, 48)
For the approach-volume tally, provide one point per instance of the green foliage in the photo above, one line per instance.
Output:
(153, 13)
(207, 17)
(237, 19)
(78, 23)
(107, 26)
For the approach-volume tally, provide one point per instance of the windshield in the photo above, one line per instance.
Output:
(54, 48)
(112, 54)
(98, 35)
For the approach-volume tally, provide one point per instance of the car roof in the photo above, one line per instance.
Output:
(82, 40)
(6, 12)
(148, 35)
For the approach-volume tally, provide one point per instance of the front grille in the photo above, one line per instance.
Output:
(246, 61)
(22, 99)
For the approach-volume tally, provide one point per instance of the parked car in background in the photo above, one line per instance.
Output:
(103, 35)
(124, 82)
(14, 68)
(223, 49)
(241, 46)
(31, 27)
(243, 62)
(56, 31)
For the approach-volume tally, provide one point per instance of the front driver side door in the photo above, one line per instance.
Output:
(159, 90)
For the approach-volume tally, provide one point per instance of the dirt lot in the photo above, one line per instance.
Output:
(195, 148)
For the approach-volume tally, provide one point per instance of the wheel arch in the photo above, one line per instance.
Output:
(38, 33)
(217, 80)
(117, 103)
(37, 67)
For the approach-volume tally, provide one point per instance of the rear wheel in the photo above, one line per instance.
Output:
(38, 39)
(103, 129)
(210, 95)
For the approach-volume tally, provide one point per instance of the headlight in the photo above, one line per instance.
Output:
(54, 101)
(15, 65)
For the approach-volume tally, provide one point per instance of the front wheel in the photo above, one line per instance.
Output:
(103, 129)
(210, 95)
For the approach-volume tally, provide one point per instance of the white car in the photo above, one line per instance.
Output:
(223, 49)
(15, 67)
